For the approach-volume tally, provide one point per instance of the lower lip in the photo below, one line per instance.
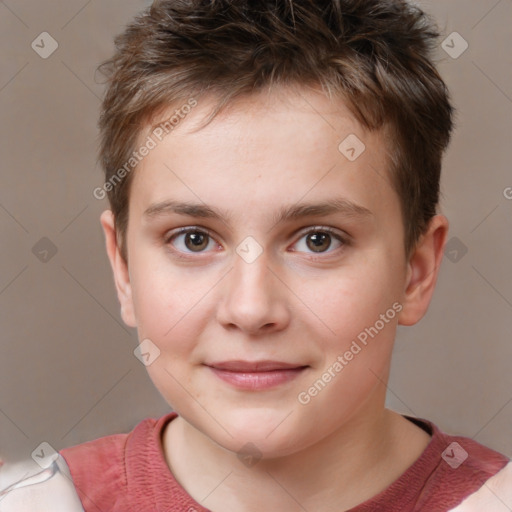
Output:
(257, 381)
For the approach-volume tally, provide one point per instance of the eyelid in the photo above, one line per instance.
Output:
(188, 229)
(344, 240)
(342, 236)
(169, 236)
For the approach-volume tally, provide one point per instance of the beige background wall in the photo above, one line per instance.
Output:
(67, 370)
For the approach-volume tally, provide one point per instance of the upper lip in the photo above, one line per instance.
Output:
(254, 366)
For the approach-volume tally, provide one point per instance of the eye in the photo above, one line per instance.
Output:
(191, 240)
(320, 240)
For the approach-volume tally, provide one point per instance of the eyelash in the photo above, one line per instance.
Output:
(344, 240)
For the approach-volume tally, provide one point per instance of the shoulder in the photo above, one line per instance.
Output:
(458, 468)
(100, 468)
(104, 456)
(27, 486)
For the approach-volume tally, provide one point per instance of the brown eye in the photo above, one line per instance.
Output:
(191, 240)
(196, 241)
(318, 241)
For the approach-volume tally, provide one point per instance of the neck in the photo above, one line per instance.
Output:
(350, 466)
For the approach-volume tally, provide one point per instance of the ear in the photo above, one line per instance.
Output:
(422, 271)
(119, 268)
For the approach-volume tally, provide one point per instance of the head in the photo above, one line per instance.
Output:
(246, 126)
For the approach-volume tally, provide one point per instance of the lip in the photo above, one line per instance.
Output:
(253, 366)
(256, 375)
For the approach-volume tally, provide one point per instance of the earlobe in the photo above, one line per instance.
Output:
(422, 271)
(119, 269)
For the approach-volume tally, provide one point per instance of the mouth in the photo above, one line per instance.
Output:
(256, 375)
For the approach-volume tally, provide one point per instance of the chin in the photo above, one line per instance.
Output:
(261, 430)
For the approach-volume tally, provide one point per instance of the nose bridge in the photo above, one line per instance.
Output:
(252, 275)
(250, 266)
(252, 299)
(250, 281)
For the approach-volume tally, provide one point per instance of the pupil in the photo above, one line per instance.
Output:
(318, 241)
(195, 241)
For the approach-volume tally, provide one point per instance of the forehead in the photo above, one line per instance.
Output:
(263, 150)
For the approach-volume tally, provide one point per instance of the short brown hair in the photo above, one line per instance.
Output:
(374, 54)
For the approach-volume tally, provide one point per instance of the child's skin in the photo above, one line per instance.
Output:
(264, 154)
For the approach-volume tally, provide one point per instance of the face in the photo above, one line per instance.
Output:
(267, 266)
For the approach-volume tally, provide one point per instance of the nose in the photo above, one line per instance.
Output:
(253, 298)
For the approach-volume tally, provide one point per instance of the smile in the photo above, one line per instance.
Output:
(257, 375)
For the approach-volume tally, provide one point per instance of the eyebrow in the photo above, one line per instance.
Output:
(292, 212)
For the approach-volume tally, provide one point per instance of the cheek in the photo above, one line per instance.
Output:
(166, 303)
(348, 301)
